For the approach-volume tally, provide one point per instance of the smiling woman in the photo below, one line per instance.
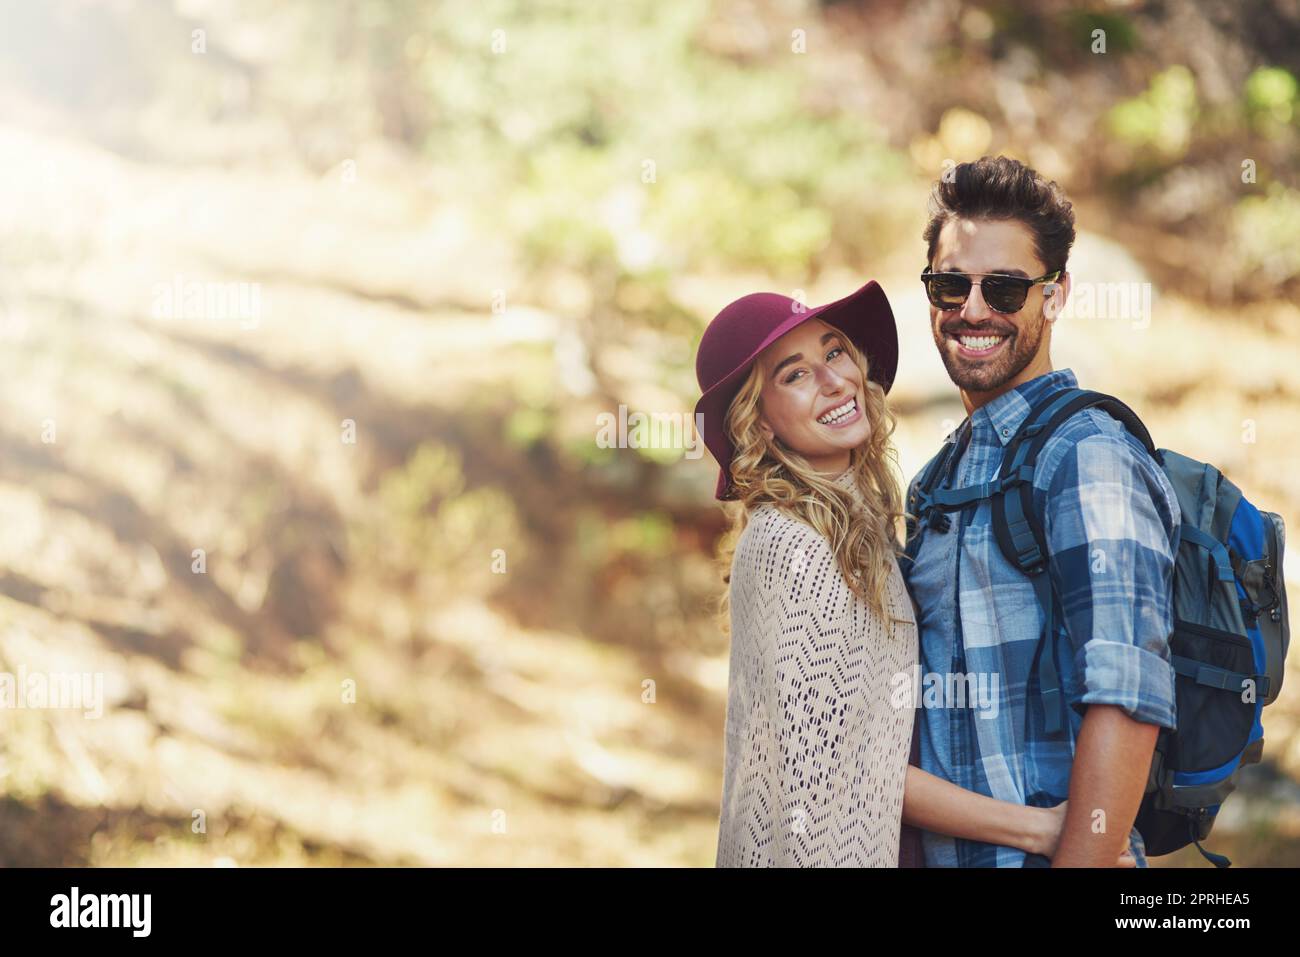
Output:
(790, 394)
(816, 755)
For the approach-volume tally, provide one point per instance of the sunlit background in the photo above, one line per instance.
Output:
(309, 313)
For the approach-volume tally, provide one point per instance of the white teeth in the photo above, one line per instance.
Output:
(839, 412)
(980, 342)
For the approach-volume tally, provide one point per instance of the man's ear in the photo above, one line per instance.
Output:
(1055, 295)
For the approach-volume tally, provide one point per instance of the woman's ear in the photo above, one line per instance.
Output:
(766, 429)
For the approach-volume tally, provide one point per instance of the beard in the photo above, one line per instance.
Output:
(981, 375)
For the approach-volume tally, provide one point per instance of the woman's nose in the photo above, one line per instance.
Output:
(832, 381)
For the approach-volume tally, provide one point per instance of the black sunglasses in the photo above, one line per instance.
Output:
(1005, 294)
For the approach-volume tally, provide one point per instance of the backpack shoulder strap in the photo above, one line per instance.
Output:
(920, 502)
(1016, 525)
(1019, 529)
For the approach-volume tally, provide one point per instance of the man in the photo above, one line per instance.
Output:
(1111, 520)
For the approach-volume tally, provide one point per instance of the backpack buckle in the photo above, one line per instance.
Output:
(927, 513)
(1275, 596)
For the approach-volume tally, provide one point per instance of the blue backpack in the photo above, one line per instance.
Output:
(1231, 632)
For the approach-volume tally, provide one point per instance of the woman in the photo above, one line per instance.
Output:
(823, 634)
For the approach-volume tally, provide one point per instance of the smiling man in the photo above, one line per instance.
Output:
(998, 239)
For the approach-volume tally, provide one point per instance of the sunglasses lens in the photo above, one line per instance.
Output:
(1005, 293)
(947, 291)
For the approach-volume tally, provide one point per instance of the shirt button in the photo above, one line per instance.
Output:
(1005, 433)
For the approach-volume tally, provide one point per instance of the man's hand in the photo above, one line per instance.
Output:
(1112, 759)
(1050, 838)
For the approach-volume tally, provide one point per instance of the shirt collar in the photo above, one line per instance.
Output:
(1005, 413)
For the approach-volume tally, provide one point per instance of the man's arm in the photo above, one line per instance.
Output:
(1111, 527)
(1111, 759)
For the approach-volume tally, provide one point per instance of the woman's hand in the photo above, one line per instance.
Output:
(1053, 822)
(934, 804)
(1047, 834)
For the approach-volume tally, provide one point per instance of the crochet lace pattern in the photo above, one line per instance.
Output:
(815, 751)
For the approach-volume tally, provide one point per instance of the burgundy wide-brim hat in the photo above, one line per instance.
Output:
(740, 332)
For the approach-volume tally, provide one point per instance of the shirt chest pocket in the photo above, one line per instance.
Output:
(996, 602)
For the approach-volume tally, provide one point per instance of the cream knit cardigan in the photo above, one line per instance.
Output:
(816, 751)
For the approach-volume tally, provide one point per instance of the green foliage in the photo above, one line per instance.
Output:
(1162, 117)
(432, 473)
(731, 164)
(1272, 100)
(1266, 235)
(645, 535)
(431, 520)
(527, 426)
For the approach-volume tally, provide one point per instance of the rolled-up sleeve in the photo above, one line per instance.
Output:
(1111, 521)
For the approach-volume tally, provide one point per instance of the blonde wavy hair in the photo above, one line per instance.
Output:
(766, 471)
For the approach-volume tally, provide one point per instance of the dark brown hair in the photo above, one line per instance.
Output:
(998, 187)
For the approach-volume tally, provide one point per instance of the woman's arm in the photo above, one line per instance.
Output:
(933, 804)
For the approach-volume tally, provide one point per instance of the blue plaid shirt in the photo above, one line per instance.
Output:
(1111, 521)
